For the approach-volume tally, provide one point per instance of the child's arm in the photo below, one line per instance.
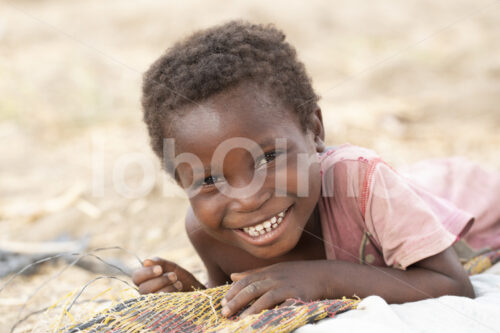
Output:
(435, 276)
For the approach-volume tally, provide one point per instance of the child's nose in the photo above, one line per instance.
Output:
(250, 203)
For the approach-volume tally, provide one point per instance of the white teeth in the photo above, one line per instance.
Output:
(266, 226)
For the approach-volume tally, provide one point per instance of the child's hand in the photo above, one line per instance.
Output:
(272, 285)
(160, 275)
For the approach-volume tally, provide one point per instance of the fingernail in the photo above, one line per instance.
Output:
(172, 276)
(178, 285)
(157, 270)
(223, 302)
(225, 311)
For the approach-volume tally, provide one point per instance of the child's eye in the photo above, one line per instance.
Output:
(266, 158)
(210, 180)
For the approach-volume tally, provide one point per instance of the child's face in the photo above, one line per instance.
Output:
(252, 222)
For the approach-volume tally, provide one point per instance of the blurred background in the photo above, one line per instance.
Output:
(410, 79)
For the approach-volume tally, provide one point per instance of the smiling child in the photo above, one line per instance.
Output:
(275, 211)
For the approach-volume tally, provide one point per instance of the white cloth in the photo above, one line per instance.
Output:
(443, 314)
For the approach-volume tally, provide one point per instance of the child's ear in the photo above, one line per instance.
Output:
(318, 130)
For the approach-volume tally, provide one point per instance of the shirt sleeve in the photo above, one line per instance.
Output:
(409, 223)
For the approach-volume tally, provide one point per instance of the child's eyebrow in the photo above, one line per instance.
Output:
(261, 145)
(273, 142)
(267, 142)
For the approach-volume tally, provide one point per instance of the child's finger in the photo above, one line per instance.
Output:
(168, 266)
(168, 289)
(240, 275)
(188, 280)
(177, 286)
(288, 302)
(266, 301)
(154, 285)
(238, 285)
(146, 273)
(148, 262)
(249, 293)
(182, 275)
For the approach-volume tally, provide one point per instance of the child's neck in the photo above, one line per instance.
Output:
(310, 245)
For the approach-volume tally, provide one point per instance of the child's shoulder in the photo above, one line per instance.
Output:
(347, 153)
(347, 168)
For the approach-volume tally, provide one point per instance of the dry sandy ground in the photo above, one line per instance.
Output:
(411, 79)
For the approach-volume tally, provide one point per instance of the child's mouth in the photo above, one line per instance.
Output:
(266, 226)
(266, 231)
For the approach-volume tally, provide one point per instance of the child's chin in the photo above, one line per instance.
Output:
(271, 252)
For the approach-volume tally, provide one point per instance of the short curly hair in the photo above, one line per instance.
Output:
(219, 58)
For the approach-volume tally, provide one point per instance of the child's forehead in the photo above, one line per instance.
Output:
(234, 109)
(249, 112)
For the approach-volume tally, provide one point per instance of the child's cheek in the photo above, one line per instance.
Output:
(208, 211)
(297, 180)
(282, 180)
